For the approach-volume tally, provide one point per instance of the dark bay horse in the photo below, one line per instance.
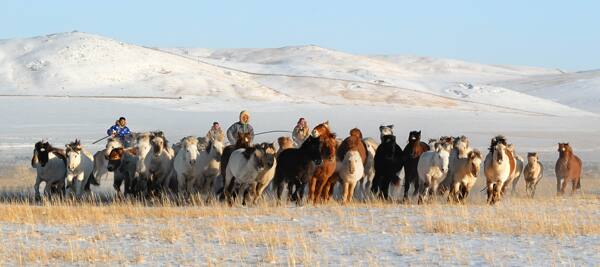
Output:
(412, 153)
(292, 168)
(388, 162)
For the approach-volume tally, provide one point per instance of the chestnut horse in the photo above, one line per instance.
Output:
(317, 186)
(353, 142)
(568, 168)
(412, 153)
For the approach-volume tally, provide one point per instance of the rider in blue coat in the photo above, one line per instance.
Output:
(120, 130)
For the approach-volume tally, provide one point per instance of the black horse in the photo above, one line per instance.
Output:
(412, 153)
(292, 167)
(388, 162)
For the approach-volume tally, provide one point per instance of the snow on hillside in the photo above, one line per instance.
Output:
(81, 64)
(84, 64)
(580, 89)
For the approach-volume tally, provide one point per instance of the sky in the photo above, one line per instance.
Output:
(552, 34)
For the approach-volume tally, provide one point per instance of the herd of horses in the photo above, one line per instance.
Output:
(195, 165)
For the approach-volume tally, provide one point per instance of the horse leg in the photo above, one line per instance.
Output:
(416, 185)
(514, 186)
(558, 185)
(563, 186)
(351, 191)
(312, 187)
(279, 190)
(384, 189)
(490, 193)
(300, 193)
(573, 186)
(36, 187)
(407, 180)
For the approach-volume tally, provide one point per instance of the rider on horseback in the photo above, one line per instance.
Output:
(242, 126)
(120, 130)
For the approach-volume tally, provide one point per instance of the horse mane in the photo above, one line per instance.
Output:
(499, 139)
(74, 146)
(191, 140)
(249, 151)
(356, 132)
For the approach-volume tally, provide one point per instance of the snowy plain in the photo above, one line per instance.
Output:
(73, 85)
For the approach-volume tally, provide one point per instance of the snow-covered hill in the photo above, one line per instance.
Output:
(83, 64)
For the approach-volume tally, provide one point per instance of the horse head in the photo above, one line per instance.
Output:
(40, 153)
(356, 132)
(243, 140)
(564, 149)
(443, 154)
(499, 151)
(322, 131)
(114, 159)
(73, 152)
(285, 142)
(532, 157)
(312, 148)
(386, 130)
(215, 148)
(158, 144)
(190, 149)
(475, 162)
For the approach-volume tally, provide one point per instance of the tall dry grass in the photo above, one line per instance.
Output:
(164, 231)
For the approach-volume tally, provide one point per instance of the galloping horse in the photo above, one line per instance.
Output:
(412, 153)
(317, 186)
(499, 164)
(568, 169)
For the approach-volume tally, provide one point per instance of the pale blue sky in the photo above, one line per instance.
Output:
(556, 34)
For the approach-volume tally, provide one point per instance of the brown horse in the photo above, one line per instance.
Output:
(412, 153)
(352, 142)
(568, 168)
(355, 135)
(317, 190)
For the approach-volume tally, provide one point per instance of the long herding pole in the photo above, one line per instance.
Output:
(100, 139)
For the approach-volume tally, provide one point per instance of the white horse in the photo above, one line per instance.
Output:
(185, 164)
(432, 169)
(464, 176)
(532, 173)
(80, 164)
(159, 163)
(460, 150)
(51, 168)
(245, 164)
(497, 168)
(143, 148)
(101, 159)
(350, 170)
(208, 164)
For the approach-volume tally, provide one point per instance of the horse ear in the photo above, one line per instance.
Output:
(326, 123)
(391, 126)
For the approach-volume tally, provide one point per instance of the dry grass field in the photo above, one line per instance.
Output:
(547, 230)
